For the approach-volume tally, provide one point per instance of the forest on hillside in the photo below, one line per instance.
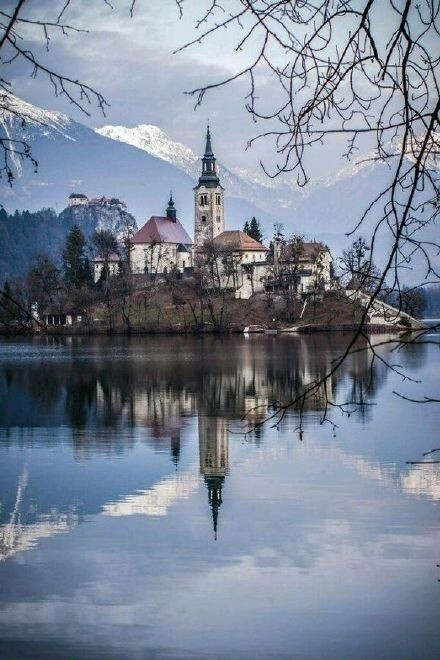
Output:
(25, 235)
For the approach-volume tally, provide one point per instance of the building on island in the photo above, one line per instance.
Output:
(309, 264)
(162, 245)
(61, 316)
(76, 199)
(241, 264)
(209, 214)
(98, 263)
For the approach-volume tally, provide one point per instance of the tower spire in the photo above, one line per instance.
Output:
(208, 147)
(209, 218)
(215, 484)
(171, 209)
(209, 176)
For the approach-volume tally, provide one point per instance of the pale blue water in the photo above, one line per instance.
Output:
(138, 522)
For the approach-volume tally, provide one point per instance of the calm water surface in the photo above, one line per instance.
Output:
(136, 521)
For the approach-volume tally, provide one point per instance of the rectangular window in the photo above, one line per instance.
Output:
(203, 200)
(218, 199)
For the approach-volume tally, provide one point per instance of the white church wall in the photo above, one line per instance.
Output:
(158, 258)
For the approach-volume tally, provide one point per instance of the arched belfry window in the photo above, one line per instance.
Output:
(203, 200)
(218, 199)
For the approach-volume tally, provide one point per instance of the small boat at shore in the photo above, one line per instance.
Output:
(254, 329)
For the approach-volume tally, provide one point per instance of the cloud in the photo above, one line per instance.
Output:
(131, 62)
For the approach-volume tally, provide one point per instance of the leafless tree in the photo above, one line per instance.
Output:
(357, 268)
(42, 24)
(363, 70)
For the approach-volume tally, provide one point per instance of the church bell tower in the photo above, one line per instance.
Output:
(209, 217)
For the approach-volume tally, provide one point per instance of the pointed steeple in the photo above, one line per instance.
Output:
(209, 176)
(215, 485)
(175, 447)
(171, 210)
(208, 147)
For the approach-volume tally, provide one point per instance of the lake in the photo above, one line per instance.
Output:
(138, 521)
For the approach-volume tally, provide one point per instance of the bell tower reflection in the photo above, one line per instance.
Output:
(175, 446)
(214, 460)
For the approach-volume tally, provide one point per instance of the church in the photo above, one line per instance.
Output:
(163, 245)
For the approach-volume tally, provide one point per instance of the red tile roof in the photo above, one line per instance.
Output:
(307, 251)
(237, 240)
(161, 229)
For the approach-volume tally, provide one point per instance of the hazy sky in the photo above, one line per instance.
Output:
(131, 61)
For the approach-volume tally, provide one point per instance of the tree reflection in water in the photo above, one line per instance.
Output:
(100, 388)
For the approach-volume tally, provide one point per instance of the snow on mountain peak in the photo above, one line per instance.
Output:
(157, 143)
(14, 108)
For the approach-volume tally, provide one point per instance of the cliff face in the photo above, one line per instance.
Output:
(99, 216)
(23, 235)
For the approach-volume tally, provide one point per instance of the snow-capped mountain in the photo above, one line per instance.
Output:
(238, 183)
(74, 158)
(140, 165)
(157, 143)
(47, 120)
(281, 193)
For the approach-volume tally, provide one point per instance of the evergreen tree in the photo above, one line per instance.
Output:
(75, 263)
(253, 230)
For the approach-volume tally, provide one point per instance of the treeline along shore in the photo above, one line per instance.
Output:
(65, 296)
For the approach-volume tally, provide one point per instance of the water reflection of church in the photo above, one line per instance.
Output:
(217, 398)
(163, 403)
(214, 460)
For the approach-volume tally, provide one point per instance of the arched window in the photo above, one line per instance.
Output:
(203, 218)
(218, 199)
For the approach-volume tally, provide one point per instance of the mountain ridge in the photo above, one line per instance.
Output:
(140, 166)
